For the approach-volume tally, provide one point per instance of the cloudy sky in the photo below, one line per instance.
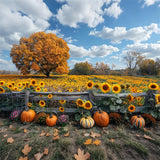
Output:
(96, 30)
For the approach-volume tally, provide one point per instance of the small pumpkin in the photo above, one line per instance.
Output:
(138, 121)
(87, 122)
(51, 120)
(101, 118)
(28, 115)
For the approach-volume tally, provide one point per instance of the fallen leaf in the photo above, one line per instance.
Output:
(13, 129)
(67, 134)
(55, 134)
(45, 151)
(10, 126)
(5, 135)
(10, 140)
(38, 156)
(88, 142)
(137, 135)
(3, 130)
(86, 134)
(97, 142)
(25, 130)
(56, 130)
(145, 129)
(26, 149)
(77, 131)
(147, 137)
(93, 135)
(1, 124)
(42, 134)
(27, 139)
(23, 158)
(55, 138)
(111, 140)
(81, 155)
(48, 134)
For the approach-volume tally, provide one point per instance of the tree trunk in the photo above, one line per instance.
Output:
(47, 74)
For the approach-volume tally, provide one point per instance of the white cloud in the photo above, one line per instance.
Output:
(7, 65)
(21, 18)
(86, 11)
(93, 51)
(136, 34)
(114, 10)
(150, 2)
(150, 50)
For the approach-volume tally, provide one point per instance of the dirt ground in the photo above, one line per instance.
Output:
(115, 142)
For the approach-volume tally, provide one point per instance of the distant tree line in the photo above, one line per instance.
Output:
(136, 65)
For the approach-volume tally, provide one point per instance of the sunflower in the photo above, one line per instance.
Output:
(138, 99)
(131, 108)
(157, 99)
(61, 109)
(40, 95)
(122, 86)
(70, 90)
(89, 85)
(116, 88)
(9, 85)
(105, 87)
(96, 86)
(62, 101)
(50, 96)
(19, 84)
(42, 103)
(2, 83)
(2, 90)
(130, 97)
(153, 86)
(33, 82)
(38, 89)
(45, 90)
(87, 105)
(15, 89)
(79, 102)
(41, 83)
(29, 104)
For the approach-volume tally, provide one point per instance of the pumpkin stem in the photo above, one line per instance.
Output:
(100, 110)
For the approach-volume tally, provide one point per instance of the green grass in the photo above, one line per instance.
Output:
(96, 153)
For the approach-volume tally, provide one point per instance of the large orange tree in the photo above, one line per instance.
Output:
(41, 52)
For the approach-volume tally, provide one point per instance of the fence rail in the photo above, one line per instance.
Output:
(28, 96)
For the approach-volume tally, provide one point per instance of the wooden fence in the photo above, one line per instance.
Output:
(23, 98)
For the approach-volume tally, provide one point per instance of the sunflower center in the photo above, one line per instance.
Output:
(89, 84)
(153, 86)
(105, 87)
(115, 88)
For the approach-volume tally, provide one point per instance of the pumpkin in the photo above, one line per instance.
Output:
(137, 121)
(87, 122)
(41, 118)
(51, 120)
(101, 118)
(28, 115)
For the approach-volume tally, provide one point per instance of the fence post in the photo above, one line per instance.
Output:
(26, 99)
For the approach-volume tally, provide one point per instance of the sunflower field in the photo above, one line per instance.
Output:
(112, 86)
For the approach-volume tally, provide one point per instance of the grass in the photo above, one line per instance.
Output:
(137, 147)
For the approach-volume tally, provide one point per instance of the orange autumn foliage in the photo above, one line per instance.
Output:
(41, 53)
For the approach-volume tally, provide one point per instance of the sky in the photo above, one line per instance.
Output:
(95, 30)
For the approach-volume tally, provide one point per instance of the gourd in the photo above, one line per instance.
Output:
(51, 120)
(101, 118)
(138, 121)
(28, 115)
(87, 122)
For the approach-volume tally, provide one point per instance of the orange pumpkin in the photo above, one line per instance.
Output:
(51, 120)
(138, 121)
(101, 118)
(28, 115)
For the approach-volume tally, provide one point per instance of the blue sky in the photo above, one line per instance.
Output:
(95, 30)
